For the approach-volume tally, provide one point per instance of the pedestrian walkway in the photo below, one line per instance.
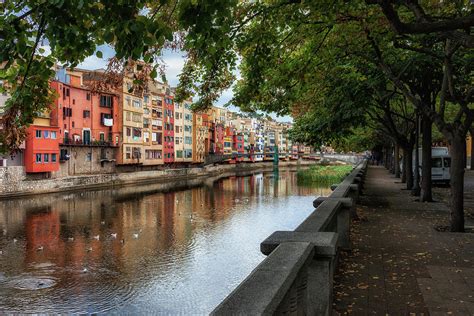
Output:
(399, 264)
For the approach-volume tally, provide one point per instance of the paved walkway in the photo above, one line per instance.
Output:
(400, 265)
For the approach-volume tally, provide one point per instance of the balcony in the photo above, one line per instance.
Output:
(81, 142)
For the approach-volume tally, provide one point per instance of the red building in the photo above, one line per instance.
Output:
(42, 149)
(84, 118)
(168, 132)
(219, 134)
(238, 145)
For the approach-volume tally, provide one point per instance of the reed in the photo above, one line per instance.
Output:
(323, 175)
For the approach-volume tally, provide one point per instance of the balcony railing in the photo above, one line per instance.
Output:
(81, 142)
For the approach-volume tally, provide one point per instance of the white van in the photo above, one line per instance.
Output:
(440, 164)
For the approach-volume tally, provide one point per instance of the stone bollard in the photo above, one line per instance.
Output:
(320, 270)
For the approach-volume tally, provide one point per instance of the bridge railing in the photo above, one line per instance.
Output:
(297, 275)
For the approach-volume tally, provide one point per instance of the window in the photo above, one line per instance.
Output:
(106, 101)
(128, 116)
(86, 113)
(145, 99)
(188, 140)
(136, 117)
(137, 104)
(63, 155)
(73, 101)
(128, 153)
(46, 158)
(137, 133)
(38, 158)
(177, 129)
(38, 133)
(177, 140)
(447, 162)
(53, 157)
(153, 154)
(88, 96)
(103, 117)
(72, 123)
(46, 134)
(137, 154)
(53, 135)
(67, 112)
(67, 92)
(102, 137)
(89, 157)
(146, 136)
(179, 154)
(436, 163)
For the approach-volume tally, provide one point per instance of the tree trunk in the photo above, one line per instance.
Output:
(408, 166)
(464, 154)
(472, 148)
(404, 170)
(397, 161)
(392, 160)
(457, 184)
(426, 193)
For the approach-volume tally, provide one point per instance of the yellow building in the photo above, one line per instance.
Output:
(200, 138)
(153, 124)
(132, 122)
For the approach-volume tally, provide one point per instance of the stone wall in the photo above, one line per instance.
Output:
(86, 160)
(13, 181)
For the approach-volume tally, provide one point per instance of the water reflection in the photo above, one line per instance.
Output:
(141, 249)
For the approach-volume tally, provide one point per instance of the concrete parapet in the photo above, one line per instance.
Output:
(267, 290)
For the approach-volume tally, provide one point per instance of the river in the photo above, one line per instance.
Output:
(143, 249)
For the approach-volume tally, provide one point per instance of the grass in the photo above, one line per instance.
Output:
(323, 175)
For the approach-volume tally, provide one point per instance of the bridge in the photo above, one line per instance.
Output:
(220, 158)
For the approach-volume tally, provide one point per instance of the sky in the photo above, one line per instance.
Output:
(174, 62)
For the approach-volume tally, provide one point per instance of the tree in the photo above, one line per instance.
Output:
(73, 29)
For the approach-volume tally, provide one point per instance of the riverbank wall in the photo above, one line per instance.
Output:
(14, 183)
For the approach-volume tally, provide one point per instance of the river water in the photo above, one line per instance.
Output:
(163, 249)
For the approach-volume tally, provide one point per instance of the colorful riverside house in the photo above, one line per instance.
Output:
(219, 134)
(154, 121)
(200, 137)
(168, 125)
(84, 118)
(129, 116)
(228, 149)
(238, 145)
(42, 146)
(178, 132)
(269, 148)
(183, 145)
(188, 131)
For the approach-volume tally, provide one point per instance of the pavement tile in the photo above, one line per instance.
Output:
(400, 264)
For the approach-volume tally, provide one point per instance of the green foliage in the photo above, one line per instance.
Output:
(323, 175)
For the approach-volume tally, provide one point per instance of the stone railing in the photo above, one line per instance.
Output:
(297, 275)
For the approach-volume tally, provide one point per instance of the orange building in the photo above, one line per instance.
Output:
(41, 148)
